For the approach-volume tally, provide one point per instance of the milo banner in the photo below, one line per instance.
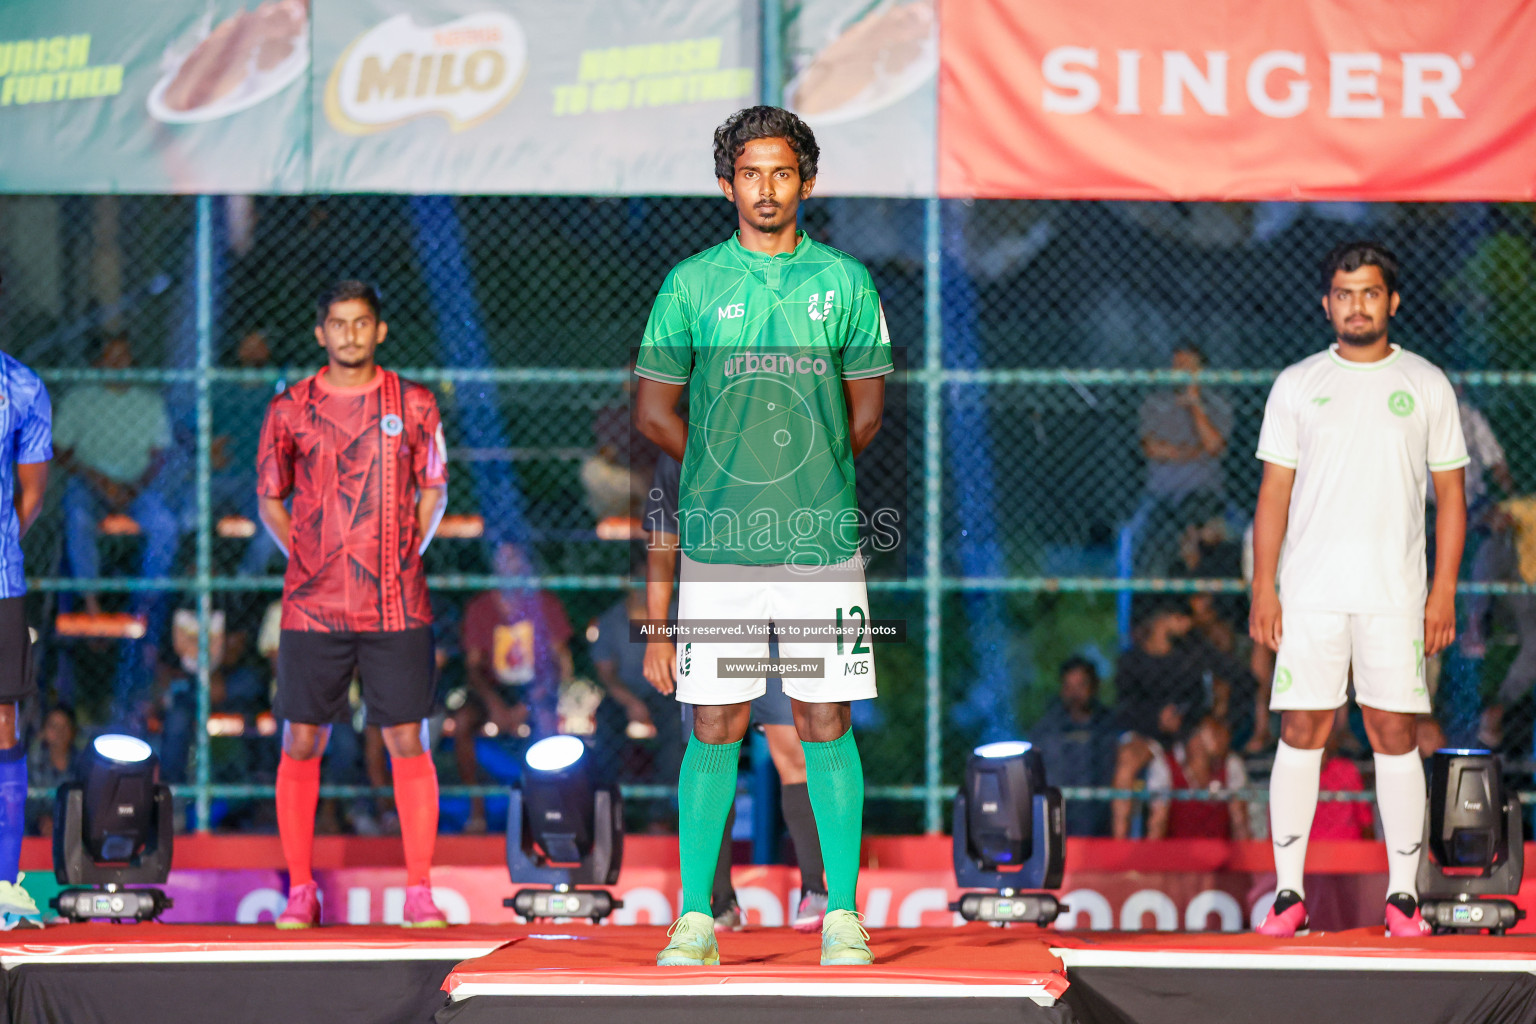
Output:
(525, 95)
(168, 96)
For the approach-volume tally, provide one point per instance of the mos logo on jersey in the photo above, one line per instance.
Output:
(826, 306)
(1401, 403)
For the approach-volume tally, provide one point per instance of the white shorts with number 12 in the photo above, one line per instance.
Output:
(783, 594)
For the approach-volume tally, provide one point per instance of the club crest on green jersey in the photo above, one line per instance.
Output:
(826, 306)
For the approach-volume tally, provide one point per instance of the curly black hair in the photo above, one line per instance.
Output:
(1351, 256)
(764, 123)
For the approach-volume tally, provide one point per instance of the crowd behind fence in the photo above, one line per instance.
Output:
(1057, 498)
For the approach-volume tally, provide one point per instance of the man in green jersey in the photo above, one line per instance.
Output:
(783, 347)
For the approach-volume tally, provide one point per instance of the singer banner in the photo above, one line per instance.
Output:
(1231, 99)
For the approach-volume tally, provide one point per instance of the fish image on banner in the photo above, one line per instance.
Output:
(249, 57)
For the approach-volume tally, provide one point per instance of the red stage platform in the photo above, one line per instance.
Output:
(577, 974)
(977, 974)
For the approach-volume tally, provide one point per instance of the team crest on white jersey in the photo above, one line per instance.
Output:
(826, 306)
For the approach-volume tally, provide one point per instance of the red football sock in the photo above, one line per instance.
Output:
(416, 803)
(298, 791)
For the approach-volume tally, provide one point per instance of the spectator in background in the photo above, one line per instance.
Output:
(54, 760)
(517, 655)
(238, 411)
(1183, 435)
(1511, 555)
(620, 666)
(1334, 819)
(232, 687)
(1209, 551)
(1485, 522)
(1202, 761)
(617, 475)
(1171, 665)
(111, 439)
(1161, 682)
(1486, 453)
(1077, 736)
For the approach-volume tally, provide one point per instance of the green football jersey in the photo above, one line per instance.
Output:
(764, 344)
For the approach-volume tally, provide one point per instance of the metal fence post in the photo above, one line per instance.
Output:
(933, 507)
(771, 47)
(203, 240)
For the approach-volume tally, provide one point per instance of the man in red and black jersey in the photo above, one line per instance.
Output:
(361, 454)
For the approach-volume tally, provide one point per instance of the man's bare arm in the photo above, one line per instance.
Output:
(274, 516)
(431, 503)
(660, 666)
(31, 482)
(656, 416)
(1158, 450)
(1269, 522)
(866, 409)
(1211, 441)
(1450, 538)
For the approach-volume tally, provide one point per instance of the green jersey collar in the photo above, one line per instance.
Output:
(802, 246)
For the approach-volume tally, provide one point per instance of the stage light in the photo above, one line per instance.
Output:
(1009, 836)
(1472, 850)
(564, 829)
(113, 830)
(555, 754)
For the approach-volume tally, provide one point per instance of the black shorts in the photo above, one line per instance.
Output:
(18, 680)
(314, 671)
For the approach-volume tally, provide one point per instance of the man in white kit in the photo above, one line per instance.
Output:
(1349, 435)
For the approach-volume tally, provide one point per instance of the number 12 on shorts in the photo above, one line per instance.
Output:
(859, 646)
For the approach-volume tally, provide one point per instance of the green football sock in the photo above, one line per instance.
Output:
(834, 775)
(706, 789)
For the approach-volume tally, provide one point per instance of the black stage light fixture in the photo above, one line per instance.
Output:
(113, 830)
(564, 829)
(1009, 837)
(1472, 850)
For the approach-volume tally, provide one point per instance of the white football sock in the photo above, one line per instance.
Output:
(1400, 795)
(1292, 802)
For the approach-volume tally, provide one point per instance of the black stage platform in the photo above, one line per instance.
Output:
(576, 974)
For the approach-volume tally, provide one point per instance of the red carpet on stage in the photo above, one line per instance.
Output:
(620, 960)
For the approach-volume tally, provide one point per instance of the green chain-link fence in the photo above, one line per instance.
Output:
(1037, 381)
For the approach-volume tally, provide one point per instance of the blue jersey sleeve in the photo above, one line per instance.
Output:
(34, 427)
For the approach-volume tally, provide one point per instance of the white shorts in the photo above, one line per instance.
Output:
(1317, 649)
(754, 595)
